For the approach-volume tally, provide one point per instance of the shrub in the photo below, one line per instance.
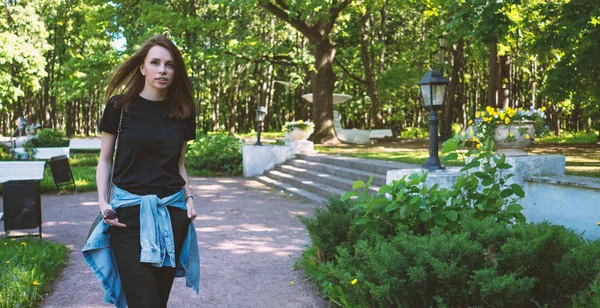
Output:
(330, 227)
(421, 208)
(485, 264)
(51, 138)
(5, 153)
(30, 151)
(415, 132)
(220, 152)
(412, 245)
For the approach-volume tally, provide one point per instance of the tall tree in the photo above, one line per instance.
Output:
(316, 21)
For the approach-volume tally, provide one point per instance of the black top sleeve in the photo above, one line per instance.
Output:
(189, 132)
(110, 118)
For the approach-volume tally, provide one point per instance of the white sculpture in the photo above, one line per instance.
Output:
(355, 136)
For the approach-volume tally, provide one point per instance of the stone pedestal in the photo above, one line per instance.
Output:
(523, 166)
(445, 178)
(301, 146)
(258, 159)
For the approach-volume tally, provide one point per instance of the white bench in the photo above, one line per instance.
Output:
(21, 170)
(84, 144)
(45, 153)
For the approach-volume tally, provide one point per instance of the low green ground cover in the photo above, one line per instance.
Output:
(411, 245)
(27, 268)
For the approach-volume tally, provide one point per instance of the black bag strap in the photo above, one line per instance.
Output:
(112, 171)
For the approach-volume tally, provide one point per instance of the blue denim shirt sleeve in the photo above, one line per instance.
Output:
(156, 239)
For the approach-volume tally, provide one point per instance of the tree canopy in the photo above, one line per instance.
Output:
(56, 57)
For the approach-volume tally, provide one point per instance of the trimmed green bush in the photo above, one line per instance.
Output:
(485, 264)
(220, 152)
(48, 138)
(5, 154)
(330, 227)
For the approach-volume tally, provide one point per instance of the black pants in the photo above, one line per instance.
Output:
(145, 286)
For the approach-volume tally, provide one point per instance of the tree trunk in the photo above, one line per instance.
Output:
(448, 116)
(503, 82)
(368, 71)
(322, 86)
(493, 73)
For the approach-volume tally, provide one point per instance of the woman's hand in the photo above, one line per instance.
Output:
(110, 216)
(191, 210)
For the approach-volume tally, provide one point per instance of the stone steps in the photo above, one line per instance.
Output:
(316, 177)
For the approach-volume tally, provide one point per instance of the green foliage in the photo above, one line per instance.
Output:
(330, 227)
(414, 132)
(51, 138)
(482, 190)
(456, 129)
(485, 264)
(5, 154)
(27, 269)
(589, 297)
(411, 245)
(569, 137)
(30, 151)
(219, 152)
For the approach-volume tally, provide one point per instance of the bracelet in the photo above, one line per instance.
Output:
(188, 197)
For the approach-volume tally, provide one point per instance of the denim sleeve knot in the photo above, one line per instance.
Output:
(156, 240)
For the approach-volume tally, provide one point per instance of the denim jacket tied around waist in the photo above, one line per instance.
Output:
(156, 239)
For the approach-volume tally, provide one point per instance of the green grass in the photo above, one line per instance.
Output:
(567, 138)
(27, 268)
(262, 135)
(408, 156)
(83, 166)
(84, 159)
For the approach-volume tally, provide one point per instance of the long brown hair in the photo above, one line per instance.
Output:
(129, 78)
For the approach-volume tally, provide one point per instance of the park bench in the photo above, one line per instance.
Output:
(84, 144)
(21, 189)
(45, 153)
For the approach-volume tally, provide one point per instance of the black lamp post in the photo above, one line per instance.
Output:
(261, 111)
(433, 88)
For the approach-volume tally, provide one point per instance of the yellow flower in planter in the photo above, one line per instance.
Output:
(300, 124)
(486, 122)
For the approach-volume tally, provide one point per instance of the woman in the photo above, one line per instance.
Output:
(151, 235)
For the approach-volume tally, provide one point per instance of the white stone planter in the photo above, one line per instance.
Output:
(523, 133)
(299, 134)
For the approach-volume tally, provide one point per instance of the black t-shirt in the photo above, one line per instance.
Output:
(149, 146)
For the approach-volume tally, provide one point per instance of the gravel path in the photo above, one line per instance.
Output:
(249, 240)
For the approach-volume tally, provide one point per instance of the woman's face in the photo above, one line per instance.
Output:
(158, 69)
